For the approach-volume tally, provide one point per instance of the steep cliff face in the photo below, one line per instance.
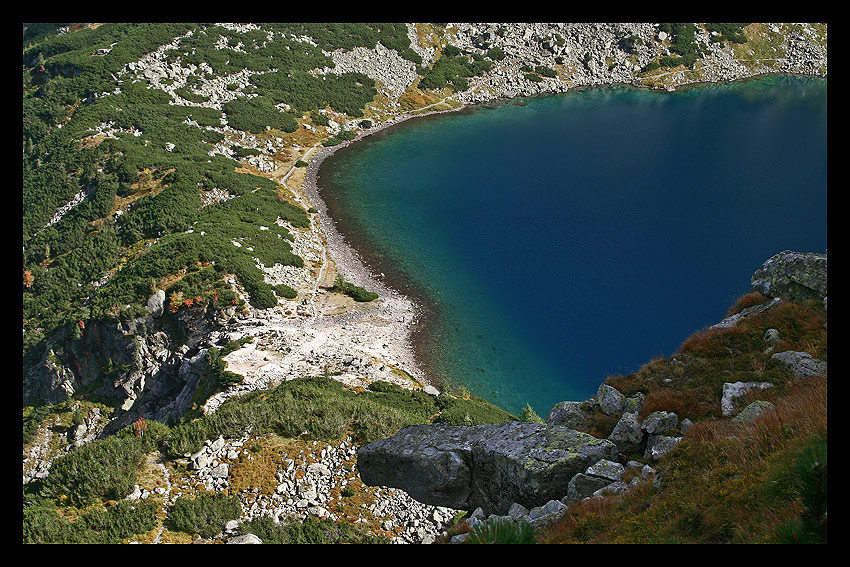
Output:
(145, 367)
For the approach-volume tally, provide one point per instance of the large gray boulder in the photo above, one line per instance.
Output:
(584, 486)
(659, 422)
(610, 400)
(628, 435)
(156, 303)
(570, 414)
(658, 446)
(486, 466)
(802, 364)
(792, 275)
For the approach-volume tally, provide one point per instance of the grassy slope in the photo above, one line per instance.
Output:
(723, 483)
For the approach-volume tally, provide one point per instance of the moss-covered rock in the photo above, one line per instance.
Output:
(792, 275)
(487, 466)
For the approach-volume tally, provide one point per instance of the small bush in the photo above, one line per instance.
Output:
(545, 71)
(357, 293)
(747, 300)
(312, 530)
(205, 514)
(283, 290)
(528, 414)
(502, 530)
(105, 469)
(809, 479)
(222, 378)
(472, 411)
(600, 425)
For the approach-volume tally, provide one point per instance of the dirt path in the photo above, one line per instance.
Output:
(156, 460)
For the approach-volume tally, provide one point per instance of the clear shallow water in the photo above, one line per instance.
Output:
(581, 235)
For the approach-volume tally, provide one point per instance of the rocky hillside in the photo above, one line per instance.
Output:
(629, 432)
(184, 287)
(737, 412)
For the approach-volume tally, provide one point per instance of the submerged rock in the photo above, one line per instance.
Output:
(486, 466)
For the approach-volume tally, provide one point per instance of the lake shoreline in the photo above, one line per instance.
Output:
(363, 264)
(356, 261)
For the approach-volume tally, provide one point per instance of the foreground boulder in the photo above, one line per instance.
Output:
(792, 275)
(486, 466)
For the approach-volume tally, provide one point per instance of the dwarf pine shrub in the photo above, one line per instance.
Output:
(502, 530)
(205, 514)
(355, 292)
(105, 469)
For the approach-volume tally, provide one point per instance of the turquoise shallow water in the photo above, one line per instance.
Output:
(562, 239)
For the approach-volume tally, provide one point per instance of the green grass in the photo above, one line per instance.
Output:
(322, 409)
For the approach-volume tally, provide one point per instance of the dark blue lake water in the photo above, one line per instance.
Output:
(569, 238)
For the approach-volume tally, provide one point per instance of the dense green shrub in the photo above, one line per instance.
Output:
(502, 531)
(245, 152)
(683, 43)
(451, 51)
(469, 411)
(204, 514)
(34, 418)
(355, 292)
(254, 114)
(312, 530)
(347, 93)
(809, 481)
(545, 71)
(452, 71)
(221, 377)
(728, 32)
(629, 44)
(496, 53)
(321, 408)
(126, 518)
(103, 469)
(528, 414)
(283, 290)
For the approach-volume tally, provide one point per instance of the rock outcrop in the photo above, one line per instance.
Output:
(146, 367)
(486, 466)
(793, 275)
(802, 364)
